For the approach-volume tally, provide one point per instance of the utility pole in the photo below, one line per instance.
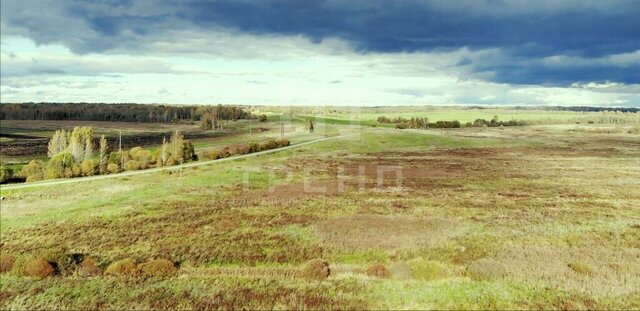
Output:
(120, 148)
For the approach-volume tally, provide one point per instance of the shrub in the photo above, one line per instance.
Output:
(378, 270)
(6, 263)
(39, 268)
(157, 267)
(5, 173)
(89, 267)
(113, 168)
(132, 165)
(316, 269)
(486, 269)
(400, 270)
(581, 268)
(33, 171)
(427, 269)
(262, 118)
(142, 156)
(59, 164)
(123, 268)
(88, 168)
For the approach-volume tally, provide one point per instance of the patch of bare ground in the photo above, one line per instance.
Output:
(383, 232)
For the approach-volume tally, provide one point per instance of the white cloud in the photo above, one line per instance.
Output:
(230, 67)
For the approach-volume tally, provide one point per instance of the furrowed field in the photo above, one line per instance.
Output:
(518, 217)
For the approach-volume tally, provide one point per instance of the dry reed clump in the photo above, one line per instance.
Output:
(400, 270)
(157, 268)
(89, 267)
(582, 268)
(316, 269)
(378, 270)
(486, 269)
(422, 269)
(6, 263)
(123, 268)
(39, 268)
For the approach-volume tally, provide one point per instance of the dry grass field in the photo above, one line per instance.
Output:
(532, 217)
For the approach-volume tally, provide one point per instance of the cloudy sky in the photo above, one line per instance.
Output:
(332, 52)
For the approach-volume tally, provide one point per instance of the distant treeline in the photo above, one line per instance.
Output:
(565, 108)
(117, 112)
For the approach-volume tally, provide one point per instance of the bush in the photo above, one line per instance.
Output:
(316, 269)
(39, 268)
(88, 168)
(157, 267)
(581, 268)
(143, 156)
(486, 269)
(5, 173)
(33, 171)
(378, 270)
(422, 269)
(60, 165)
(262, 118)
(6, 263)
(400, 270)
(89, 267)
(132, 165)
(113, 168)
(123, 268)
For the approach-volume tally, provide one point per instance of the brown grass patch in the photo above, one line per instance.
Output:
(316, 269)
(158, 268)
(6, 263)
(378, 270)
(382, 232)
(39, 268)
(123, 268)
(89, 267)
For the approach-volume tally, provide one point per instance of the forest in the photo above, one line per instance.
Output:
(125, 112)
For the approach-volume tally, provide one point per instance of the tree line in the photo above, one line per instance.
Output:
(423, 123)
(119, 112)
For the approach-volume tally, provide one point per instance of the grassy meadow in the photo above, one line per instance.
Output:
(524, 217)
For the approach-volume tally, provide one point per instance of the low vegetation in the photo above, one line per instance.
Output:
(523, 217)
(316, 269)
(243, 149)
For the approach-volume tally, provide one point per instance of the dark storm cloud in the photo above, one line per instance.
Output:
(523, 30)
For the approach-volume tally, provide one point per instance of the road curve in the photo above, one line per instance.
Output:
(53, 182)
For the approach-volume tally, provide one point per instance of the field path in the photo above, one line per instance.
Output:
(54, 182)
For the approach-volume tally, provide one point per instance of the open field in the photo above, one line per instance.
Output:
(553, 209)
(462, 114)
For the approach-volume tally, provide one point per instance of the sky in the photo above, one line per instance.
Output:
(331, 52)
